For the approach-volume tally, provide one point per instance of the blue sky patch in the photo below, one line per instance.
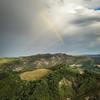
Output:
(98, 8)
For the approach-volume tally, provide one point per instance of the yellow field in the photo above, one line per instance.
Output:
(2, 60)
(34, 75)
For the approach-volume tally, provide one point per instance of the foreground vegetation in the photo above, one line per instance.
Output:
(62, 83)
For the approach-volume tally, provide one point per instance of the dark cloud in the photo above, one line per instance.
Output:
(15, 25)
(86, 20)
(24, 32)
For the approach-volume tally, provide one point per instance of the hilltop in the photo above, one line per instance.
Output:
(45, 61)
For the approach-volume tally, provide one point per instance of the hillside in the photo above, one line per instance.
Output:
(44, 61)
(62, 83)
(50, 77)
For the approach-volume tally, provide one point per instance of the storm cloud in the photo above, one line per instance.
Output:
(47, 26)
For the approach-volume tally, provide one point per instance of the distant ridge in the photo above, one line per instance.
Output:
(45, 61)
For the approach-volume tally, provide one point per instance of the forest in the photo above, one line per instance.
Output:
(63, 82)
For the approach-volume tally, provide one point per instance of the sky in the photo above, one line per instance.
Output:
(30, 27)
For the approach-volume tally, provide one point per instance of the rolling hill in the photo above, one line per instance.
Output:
(45, 61)
(50, 77)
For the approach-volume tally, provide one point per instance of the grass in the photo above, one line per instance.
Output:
(34, 75)
(5, 60)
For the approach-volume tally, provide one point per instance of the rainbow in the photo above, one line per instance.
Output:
(52, 25)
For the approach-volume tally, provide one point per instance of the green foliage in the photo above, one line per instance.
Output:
(62, 83)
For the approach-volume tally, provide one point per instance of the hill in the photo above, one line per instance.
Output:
(45, 61)
(50, 77)
(60, 82)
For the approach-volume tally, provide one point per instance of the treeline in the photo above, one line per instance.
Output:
(62, 84)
